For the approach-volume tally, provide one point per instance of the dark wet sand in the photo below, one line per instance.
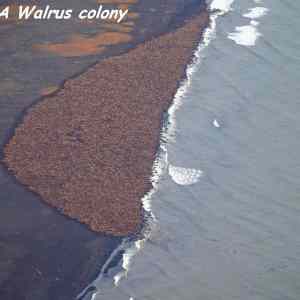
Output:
(43, 254)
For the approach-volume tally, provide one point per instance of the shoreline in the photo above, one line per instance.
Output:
(84, 281)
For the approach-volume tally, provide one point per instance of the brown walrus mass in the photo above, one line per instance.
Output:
(89, 149)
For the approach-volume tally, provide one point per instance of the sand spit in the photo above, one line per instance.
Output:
(89, 149)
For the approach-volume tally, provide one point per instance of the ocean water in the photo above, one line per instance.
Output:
(226, 204)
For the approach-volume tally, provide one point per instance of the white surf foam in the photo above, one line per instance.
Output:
(254, 23)
(184, 176)
(126, 262)
(133, 248)
(216, 123)
(256, 12)
(169, 132)
(222, 5)
(245, 35)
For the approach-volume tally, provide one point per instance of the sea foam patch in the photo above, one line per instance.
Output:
(184, 176)
(222, 5)
(216, 124)
(256, 12)
(245, 35)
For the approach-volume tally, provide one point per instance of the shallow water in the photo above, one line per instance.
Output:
(228, 228)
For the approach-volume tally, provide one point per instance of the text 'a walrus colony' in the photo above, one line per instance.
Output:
(47, 13)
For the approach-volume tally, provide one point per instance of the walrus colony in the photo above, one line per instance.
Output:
(89, 149)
